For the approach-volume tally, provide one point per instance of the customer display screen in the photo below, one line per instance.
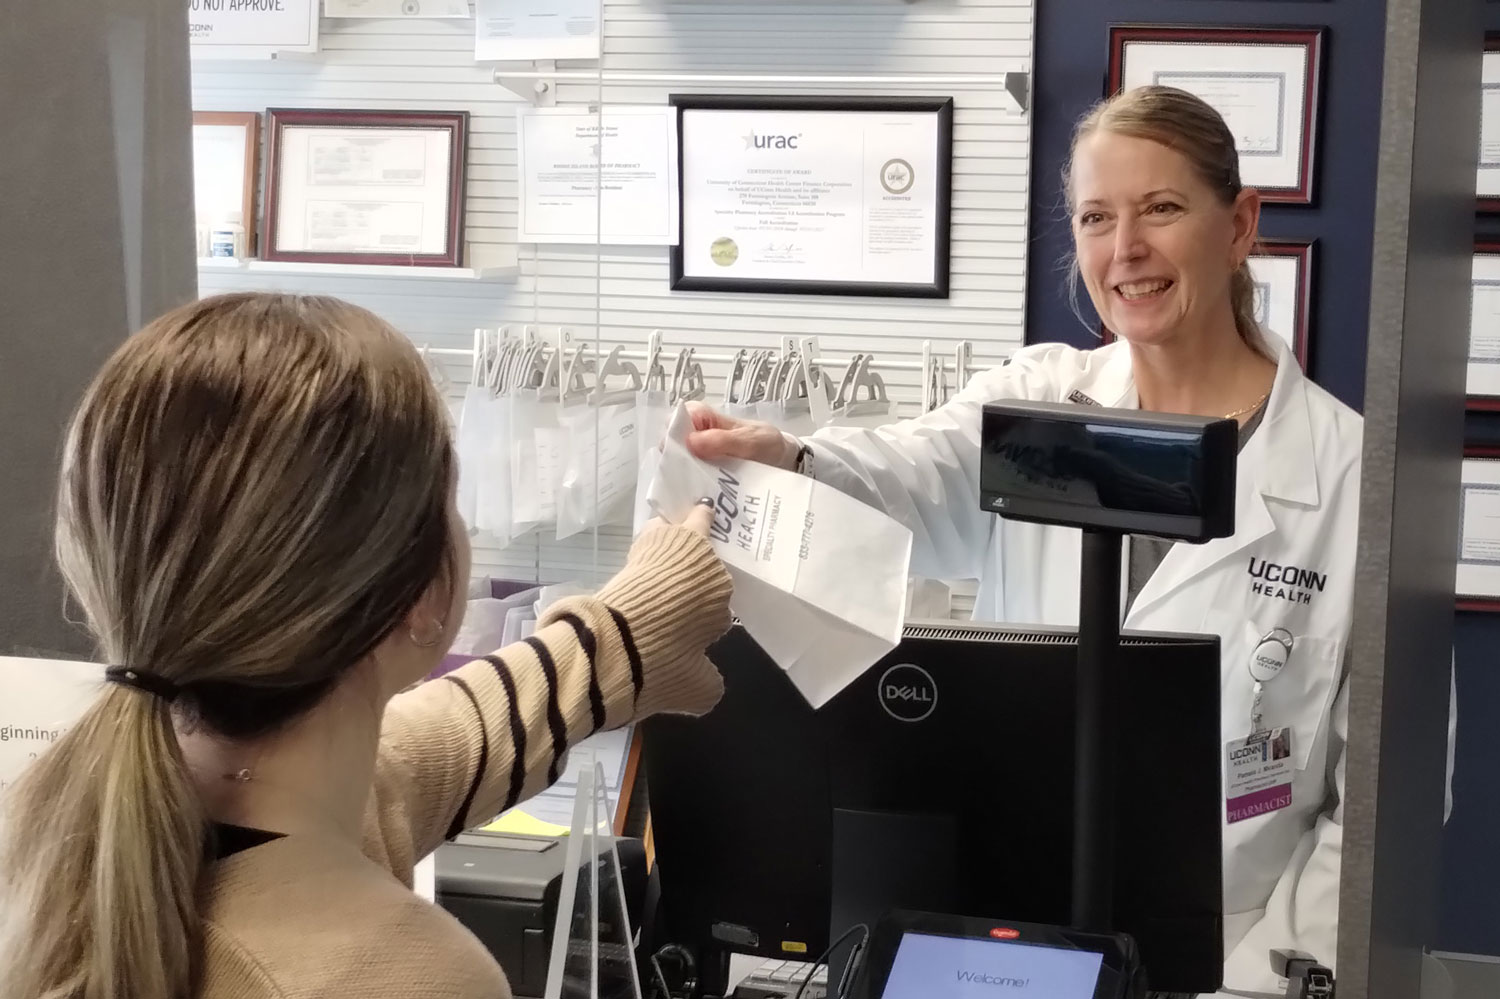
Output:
(1093, 465)
(936, 967)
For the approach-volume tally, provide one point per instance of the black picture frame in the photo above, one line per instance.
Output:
(941, 107)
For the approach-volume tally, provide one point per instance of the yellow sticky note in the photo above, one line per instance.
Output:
(519, 823)
(793, 947)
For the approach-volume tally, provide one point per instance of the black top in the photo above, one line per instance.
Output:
(226, 840)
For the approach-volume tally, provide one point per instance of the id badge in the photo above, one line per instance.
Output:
(1258, 774)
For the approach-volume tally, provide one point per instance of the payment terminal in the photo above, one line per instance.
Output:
(924, 956)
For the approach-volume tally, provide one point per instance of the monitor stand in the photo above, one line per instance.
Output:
(884, 861)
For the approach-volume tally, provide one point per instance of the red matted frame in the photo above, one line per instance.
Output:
(455, 123)
(1484, 403)
(1311, 38)
(1486, 605)
(1302, 251)
(250, 122)
(1490, 205)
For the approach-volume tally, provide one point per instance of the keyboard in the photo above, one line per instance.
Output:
(781, 980)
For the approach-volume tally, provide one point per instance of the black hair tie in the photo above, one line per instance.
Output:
(151, 683)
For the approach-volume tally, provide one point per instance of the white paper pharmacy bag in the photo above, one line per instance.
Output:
(819, 577)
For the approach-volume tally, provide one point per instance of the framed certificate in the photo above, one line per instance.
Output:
(226, 152)
(1483, 386)
(366, 187)
(1264, 81)
(1477, 585)
(1488, 184)
(814, 195)
(1282, 269)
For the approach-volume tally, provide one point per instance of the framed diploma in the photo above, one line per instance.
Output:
(1483, 386)
(1282, 269)
(226, 151)
(814, 195)
(366, 187)
(1478, 581)
(1264, 81)
(1488, 184)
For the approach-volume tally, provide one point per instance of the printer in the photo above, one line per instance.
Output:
(504, 889)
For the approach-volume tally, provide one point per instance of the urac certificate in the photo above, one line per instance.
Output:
(565, 166)
(367, 190)
(847, 200)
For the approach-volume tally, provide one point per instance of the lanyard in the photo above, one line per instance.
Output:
(1266, 663)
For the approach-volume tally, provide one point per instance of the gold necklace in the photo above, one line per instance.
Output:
(1248, 409)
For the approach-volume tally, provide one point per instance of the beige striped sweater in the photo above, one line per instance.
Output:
(303, 917)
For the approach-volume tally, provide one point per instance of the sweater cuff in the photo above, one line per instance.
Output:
(673, 595)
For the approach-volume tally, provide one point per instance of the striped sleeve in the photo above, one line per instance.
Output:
(496, 731)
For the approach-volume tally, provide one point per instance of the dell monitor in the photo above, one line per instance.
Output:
(940, 781)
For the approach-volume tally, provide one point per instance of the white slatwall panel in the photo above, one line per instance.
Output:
(620, 294)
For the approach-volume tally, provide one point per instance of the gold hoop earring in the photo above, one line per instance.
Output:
(412, 634)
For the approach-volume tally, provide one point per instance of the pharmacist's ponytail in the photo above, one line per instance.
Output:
(101, 860)
(254, 494)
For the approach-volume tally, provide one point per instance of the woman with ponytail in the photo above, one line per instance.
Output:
(256, 516)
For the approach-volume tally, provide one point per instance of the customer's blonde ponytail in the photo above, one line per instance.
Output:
(254, 494)
(104, 843)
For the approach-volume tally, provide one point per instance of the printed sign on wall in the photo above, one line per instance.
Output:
(251, 29)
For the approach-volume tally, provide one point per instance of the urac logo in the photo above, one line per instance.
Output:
(753, 141)
(907, 693)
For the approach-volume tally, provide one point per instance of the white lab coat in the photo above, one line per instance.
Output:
(1289, 564)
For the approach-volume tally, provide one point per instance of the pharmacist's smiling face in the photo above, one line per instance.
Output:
(1156, 248)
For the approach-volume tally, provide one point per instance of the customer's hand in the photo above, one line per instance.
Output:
(716, 437)
(673, 596)
(698, 520)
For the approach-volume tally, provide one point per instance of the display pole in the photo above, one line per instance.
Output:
(1096, 740)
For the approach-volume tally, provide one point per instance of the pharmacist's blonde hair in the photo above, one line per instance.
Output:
(1186, 123)
(254, 494)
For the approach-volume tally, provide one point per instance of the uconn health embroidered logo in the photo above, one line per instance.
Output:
(1291, 583)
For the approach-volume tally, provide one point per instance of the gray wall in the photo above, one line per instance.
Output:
(1414, 397)
(95, 235)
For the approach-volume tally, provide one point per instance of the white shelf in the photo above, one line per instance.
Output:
(497, 275)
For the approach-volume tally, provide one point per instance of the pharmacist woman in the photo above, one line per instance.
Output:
(1162, 230)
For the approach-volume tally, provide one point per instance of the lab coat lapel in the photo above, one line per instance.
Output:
(1277, 461)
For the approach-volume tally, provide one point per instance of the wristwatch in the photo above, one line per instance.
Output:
(804, 464)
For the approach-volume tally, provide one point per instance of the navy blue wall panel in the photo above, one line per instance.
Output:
(1070, 68)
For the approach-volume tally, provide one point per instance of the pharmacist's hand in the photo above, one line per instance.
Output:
(716, 437)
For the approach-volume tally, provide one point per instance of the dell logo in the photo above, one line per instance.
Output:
(908, 693)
